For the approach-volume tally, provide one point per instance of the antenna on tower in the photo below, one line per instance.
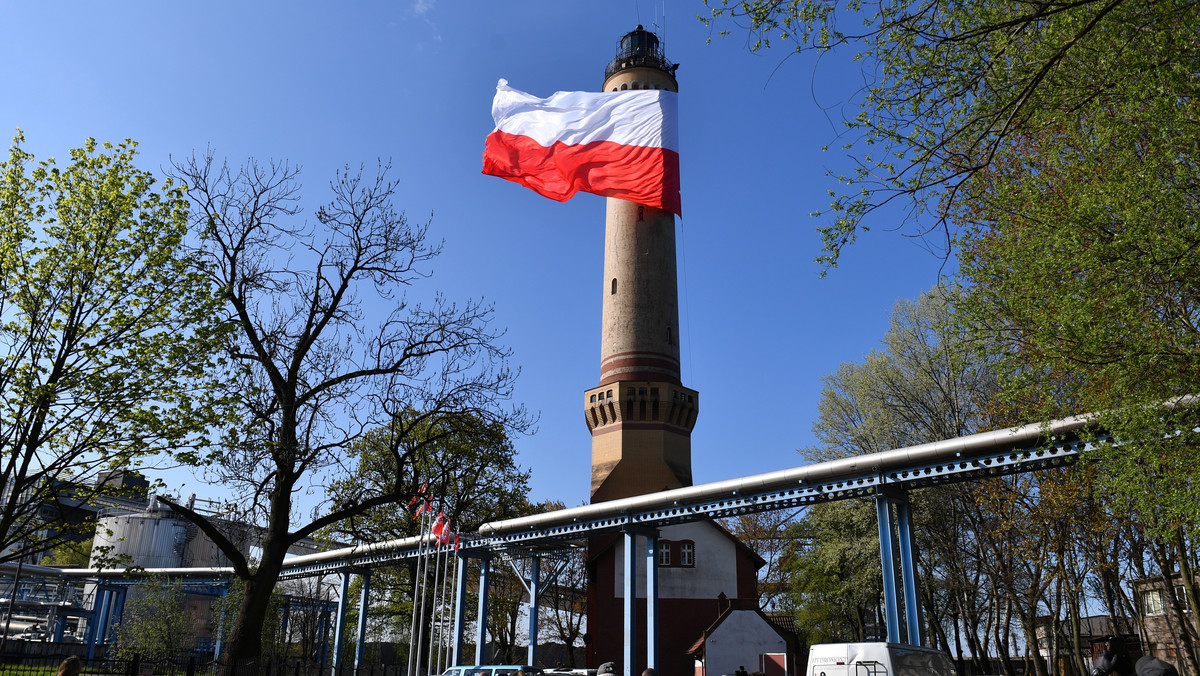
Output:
(661, 28)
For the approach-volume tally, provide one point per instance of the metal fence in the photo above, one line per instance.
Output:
(48, 665)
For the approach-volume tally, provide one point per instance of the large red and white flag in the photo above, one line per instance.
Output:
(617, 144)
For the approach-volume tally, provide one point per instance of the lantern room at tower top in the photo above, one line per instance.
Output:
(639, 48)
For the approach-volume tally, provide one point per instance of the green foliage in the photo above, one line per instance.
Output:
(467, 466)
(69, 554)
(156, 623)
(920, 386)
(108, 331)
(833, 572)
(1080, 245)
(951, 86)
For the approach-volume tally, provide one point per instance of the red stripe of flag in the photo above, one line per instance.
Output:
(641, 174)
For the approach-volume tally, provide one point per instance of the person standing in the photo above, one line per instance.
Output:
(70, 667)
(1152, 666)
(1113, 661)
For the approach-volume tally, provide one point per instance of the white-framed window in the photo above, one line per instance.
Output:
(1152, 602)
(664, 552)
(687, 554)
(1181, 597)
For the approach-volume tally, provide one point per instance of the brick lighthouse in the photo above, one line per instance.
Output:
(640, 415)
(641, 418)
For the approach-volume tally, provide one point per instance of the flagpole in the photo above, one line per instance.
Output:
(439, 529)
(435, 659)
(412, 625)
(414, 645)
(448, 638)
(433, 612)
(443, 634)
(421, 623)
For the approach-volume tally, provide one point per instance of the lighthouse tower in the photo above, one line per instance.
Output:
(640, 414)
(641, 419)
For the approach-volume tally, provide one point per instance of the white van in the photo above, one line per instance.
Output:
(877, 659)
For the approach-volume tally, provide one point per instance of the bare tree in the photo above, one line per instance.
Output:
(767, 534)
(567, 603)
(327, 347)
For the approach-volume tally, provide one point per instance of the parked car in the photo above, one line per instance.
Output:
(492, 670)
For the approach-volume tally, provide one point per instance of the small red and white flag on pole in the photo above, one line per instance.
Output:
(439, 525)
(617, 144)
(418, 494)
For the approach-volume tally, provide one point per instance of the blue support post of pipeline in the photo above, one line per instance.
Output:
(364, 601)
(460, 611)
(287, 615)
(652, 599)
(118, 610)
(630, 656)
(339, 627)
(96, 620)
(485, 565)
(323, 637)
(535, 590)
(218, 645)
(887, 559)
(908, 572)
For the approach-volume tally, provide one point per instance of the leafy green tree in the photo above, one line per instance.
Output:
(1055, 143)
(922, 386)
(834, 583)
(108, 333)
(156, 623)
(1080, 248)
(69, 554)
(466, 468)
(949, 87)
(464, 464)
(326, 348)
(1081, 253)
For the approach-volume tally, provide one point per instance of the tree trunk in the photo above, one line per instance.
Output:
(245, 637)
(1189, 590)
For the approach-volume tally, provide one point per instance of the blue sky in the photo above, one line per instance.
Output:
(329, 84)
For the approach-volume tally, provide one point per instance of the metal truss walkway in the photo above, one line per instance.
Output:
(885, 477)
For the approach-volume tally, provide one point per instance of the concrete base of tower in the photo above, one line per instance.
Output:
(641, 437)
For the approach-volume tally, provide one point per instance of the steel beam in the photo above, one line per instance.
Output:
(652, 600)
(485, 565)
(339, 628)
(908, 573)
(630, 656)
(364, 600)
(891, 602)
(535, 589)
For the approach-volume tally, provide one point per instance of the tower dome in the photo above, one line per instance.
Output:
(639, 49)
